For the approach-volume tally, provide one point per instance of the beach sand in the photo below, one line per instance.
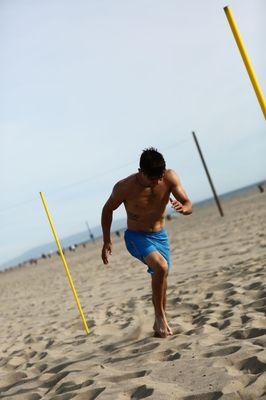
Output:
(215, 307)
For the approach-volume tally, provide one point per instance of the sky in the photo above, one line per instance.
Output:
(85, 86)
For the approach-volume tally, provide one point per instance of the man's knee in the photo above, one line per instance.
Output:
(158, 263)
(161, 268)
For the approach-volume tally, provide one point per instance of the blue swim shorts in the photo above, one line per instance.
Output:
(140, 244)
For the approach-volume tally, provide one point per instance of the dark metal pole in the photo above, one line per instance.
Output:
(90, 232)
(208, 175)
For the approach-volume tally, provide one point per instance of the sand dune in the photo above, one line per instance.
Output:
(216, 309)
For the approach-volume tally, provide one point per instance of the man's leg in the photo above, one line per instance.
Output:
(164, 293)
(159, 284)
(169, 330)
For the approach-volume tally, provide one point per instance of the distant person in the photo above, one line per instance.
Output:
(145, 195)
(261, 188)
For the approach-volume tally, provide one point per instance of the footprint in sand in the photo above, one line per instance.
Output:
(53, 380)
(225, 351)
(125, 377)
(223, 286)
(165, 355)
(221, 325)
(248, 333)
(254, 285)
(174, 356)
(245, 318)
(141, 392)
(145, 348)
(257, 305)
(252, 365)
(40, 367)
(72, 386)
(8, 380)
(227, 313)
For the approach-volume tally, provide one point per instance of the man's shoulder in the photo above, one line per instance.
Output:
(171, 176)
(125, 183)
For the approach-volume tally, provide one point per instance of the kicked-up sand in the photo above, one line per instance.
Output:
(215, 307)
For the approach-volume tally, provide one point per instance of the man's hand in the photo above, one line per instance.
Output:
(107, 249)
(179, 207)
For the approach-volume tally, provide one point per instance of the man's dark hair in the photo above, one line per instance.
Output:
(152, 163)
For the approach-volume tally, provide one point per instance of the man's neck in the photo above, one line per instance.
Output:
(140, 181)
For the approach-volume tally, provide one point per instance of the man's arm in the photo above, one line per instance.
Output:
(112, 204)
(182, 203)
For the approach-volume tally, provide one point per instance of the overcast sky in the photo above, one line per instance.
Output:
(85, 85)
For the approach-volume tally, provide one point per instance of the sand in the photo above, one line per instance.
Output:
(216, 304)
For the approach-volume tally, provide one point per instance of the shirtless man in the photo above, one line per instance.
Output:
(145, 195)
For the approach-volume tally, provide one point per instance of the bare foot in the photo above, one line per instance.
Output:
(161, 327)
(169, 330)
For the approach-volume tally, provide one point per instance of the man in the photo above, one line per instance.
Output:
(145, 195)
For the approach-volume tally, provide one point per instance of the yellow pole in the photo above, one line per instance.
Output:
(246, 59)
(64, 262)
